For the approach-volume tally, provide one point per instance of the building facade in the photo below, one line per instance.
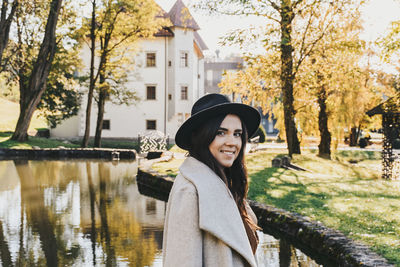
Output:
(168, 77)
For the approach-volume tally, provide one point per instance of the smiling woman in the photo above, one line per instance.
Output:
(227, 143)
(208, 221)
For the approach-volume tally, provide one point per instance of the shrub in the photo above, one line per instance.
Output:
(261, 133)
(396, 143)
(363, 142)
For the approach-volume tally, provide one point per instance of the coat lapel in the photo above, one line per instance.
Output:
(218, 212)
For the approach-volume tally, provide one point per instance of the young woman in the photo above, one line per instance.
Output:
(208, 221)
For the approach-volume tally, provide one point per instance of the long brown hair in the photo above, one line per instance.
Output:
(235, 177)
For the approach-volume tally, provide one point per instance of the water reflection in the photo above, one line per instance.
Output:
(55, 213)
(90, 213)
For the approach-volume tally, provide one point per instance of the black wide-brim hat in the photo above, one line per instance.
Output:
(212, 105)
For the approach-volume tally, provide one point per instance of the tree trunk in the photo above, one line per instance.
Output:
(30, 95)
(92, 81)
(353, 136)
(5, 24)
(287, 77)
(100, 113)
(324, 146)
(26, 109)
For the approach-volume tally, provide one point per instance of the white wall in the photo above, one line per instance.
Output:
(183, 75)
(68, 128)
(129, 121)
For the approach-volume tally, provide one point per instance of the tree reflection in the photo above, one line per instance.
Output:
(5, 254)
(92, 199)
(285, 253)
(32, 199)
(104, 175)
(49, 233)
(56, 173)
(121, 234)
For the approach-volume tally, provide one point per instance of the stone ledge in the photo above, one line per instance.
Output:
(150, 181)
(313, 237)
(66, 153)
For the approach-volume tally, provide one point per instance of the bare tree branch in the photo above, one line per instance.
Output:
(274, 5)
(5, 24)
(296, 3)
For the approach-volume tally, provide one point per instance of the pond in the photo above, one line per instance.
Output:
(90, 213)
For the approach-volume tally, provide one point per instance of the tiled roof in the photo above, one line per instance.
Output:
(199, 41)
(181, 17)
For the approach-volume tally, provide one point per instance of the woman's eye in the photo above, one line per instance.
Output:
(238, 134)
(220, 133)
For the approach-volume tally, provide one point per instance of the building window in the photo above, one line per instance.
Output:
(150, 59)
(151, 92)
(169, 63)
(106, 124)
(169, 97)
(184, 59)
(184, 93)
(151, 125)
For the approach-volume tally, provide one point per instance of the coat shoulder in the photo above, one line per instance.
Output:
(181, 184)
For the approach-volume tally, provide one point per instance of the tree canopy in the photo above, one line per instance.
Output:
(115, 28)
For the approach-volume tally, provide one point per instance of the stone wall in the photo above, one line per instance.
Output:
(326, 246)
(67, 153)
(150, 182)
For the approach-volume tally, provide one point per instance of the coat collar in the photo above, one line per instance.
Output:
(218, 212)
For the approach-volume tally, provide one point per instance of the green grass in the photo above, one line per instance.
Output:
(345, 193)
(345, 196)
(171, 168)
(5, 142)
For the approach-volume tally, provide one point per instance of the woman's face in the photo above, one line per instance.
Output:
(227, 143)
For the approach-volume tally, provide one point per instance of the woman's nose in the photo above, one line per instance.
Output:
(232, 140)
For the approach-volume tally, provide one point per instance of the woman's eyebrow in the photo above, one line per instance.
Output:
(226, 130)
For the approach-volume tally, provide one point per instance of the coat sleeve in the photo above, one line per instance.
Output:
(183, 241)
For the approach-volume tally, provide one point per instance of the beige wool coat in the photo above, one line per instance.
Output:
(203, 226)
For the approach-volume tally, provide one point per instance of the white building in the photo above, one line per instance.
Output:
(169, 77)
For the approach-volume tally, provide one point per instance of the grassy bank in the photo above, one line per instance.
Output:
(345, 193)
(5, 142)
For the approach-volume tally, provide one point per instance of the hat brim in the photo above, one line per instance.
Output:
(248, 115)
